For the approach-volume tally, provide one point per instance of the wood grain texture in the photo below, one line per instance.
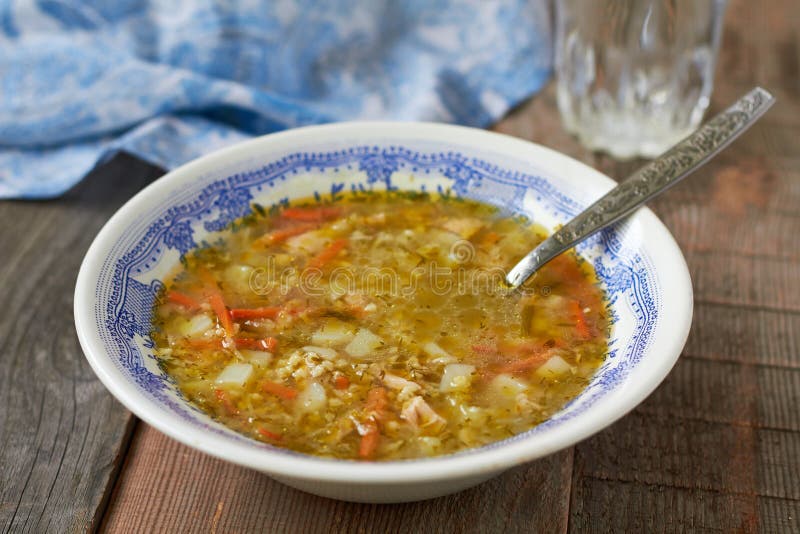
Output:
(197, 493)
(62, 436)
(715, 448)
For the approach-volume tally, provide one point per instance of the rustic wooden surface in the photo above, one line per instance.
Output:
(62, 436)
(715, 448)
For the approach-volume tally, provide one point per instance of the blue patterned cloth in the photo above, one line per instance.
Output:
(169, 81)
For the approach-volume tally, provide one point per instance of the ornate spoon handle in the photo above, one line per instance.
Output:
(648, 182)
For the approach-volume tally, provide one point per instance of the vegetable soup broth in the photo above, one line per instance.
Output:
(377, 327)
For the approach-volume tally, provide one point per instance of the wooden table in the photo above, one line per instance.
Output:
(715, 448)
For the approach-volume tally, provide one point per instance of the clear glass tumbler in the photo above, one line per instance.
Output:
(635, 76)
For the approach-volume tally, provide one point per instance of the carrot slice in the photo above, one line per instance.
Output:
(282, 234)
(580, 319)
(327, 254)
(182, 299)
(226, 401)
(268, 344)
(218, 305)
(315, 214)
(369, 442)
(269, 435)
(279, 390)
(341, 382)
(268, 312)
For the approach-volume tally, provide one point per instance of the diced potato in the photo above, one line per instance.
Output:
(466, 227)
(238, 277)
(376, 219)
(456, 377)
(428, 445)
(437, 353)
(235, 374)
(507, 386)
(310, 242)
(398, 383)
(363, 344)
(341, 226)
(197, 326)
(324, 352)
(554, 367)
(257, 357)
(313, 398)
(406, 260)
(472, 414)
(333, 333)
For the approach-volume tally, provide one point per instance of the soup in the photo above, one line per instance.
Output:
(378, 327)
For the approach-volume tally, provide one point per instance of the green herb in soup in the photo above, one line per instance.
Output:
(378, 328)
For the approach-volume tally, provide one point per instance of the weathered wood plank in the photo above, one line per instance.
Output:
(746, 282)
(197, 493)
(624, 506)
(696, 454)
(747, 335)
(711, 391)
(62, 435)
(779, 515)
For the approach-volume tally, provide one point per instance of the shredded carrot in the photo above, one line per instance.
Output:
(369, 442)
(315, 214)
(580, 319)
(269, 312)
(374, 407)
(268, 344)
(376, 400)
(214, 298)
(485, 349)
(182, 299)
(269, 435)
(523, 348)
(279, 390)
(341, 382)
(327, 254)
(282, 234)
(218, 305)
(525, 364)
(226, 401)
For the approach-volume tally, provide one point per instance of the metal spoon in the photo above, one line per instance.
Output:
(648, 182)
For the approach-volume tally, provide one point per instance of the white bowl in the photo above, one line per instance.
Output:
(638, 262)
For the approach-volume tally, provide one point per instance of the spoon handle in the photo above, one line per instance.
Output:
(649, 181)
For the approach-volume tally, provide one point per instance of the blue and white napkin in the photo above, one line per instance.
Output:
(169, 81)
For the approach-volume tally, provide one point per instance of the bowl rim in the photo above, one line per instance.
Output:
(677, 303)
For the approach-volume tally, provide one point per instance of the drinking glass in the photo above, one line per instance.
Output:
(635, 76)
